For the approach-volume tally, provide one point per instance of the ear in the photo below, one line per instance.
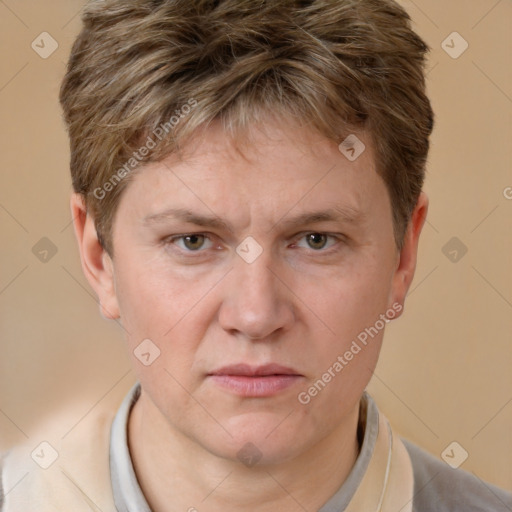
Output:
(406, 264)
(97, 265)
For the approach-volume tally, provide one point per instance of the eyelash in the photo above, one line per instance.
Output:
(173, 239)
(190, 253)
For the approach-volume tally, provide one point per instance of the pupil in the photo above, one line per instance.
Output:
(317, 240)
(193, 241)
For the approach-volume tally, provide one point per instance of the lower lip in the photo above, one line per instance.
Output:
(258, 386)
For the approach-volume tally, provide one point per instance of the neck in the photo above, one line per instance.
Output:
(177, 474)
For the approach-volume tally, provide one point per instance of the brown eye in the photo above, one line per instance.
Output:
(190, 244)
(316, 240)
(193, 242)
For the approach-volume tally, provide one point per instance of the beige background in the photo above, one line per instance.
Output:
(445, 371)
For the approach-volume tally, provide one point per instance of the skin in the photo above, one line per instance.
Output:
(297, 305)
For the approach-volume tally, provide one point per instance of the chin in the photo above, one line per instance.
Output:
(261, 439)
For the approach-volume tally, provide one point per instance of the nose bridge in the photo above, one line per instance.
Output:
(255, 303)
(256, 281)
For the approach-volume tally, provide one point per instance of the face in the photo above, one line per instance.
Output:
(263, 274)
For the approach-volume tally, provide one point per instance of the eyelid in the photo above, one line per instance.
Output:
(170, 240)
(336, 237)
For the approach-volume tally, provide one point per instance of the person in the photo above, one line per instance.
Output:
(248, 204)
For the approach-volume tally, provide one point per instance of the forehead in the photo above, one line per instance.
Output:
(269, 170)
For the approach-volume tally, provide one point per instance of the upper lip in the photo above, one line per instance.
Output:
(243, 369)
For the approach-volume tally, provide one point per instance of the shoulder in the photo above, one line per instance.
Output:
(439, 488)
(52, 472)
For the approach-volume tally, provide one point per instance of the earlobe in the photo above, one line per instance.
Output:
(97, 264)
(406, 265)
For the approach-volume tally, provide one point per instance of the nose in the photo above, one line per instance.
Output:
(256, 304)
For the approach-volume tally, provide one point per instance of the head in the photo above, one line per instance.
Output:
(247, 181)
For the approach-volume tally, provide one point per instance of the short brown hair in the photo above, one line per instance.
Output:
(334, 65)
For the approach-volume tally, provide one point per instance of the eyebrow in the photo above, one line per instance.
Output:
(186, 216)
(340, 214)
(345, 214)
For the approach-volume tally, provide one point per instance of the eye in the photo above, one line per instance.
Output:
(192, 243)
(317, 241)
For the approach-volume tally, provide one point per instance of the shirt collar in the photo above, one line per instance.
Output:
(128, 496)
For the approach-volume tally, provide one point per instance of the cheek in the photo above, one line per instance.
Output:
(345, 369)
(170, 309)
(142, 300)
(153, 298)
(352, 305)
(355, 298)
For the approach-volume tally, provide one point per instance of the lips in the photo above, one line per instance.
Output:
(255, 381)
(245, 370)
